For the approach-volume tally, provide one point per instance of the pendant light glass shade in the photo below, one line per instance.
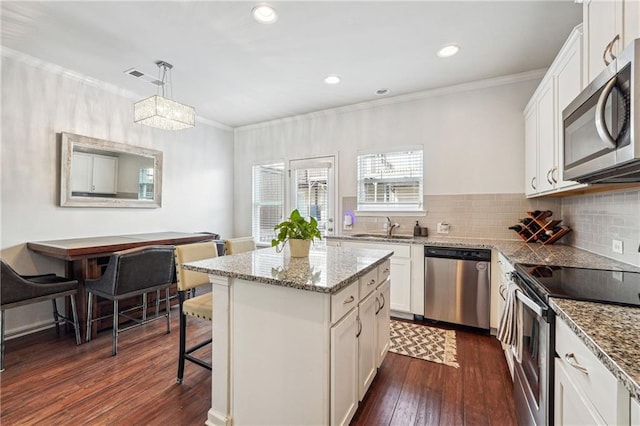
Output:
(164, 113)
(161, 112)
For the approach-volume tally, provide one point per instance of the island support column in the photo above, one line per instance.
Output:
(220, 412)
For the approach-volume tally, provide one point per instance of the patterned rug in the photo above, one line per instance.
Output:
(424, 342)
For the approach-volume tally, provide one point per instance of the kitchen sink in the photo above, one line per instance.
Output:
(383, 236)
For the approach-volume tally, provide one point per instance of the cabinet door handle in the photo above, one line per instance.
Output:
(359, 326)
(501, 290)
(372, 282)
(383, 301)
(604, 53)
(533, 185)
(378, 307)
(548, 178)
(553, 172)
(613, 43)
(571, 360)
(386, 271)
(349, 300)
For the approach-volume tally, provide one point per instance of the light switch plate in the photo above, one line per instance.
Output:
(616, 246)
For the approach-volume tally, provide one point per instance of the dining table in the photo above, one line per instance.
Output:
(86, 257)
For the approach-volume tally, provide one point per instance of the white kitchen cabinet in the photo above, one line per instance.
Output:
(383, 321)
(344, 369)
(543, 120)
(635, 412)
(400, 271)
(366, 336)
(570, 406)
(606, 21)
(586, 392)
(94, 173)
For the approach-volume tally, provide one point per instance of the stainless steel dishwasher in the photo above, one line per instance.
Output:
(457, 285)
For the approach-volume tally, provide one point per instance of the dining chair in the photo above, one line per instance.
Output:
(20, 290)
(131, 273)
(239, 245)
(197, 306)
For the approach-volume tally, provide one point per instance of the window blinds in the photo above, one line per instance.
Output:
(392, 181)
(268, 200)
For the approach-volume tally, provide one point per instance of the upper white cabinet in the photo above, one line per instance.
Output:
(94, 173)
(609, 26)
(543, 120)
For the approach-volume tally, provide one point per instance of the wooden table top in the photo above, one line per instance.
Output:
(90, 247)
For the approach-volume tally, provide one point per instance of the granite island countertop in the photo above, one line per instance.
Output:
(326, 270)
(612, 334)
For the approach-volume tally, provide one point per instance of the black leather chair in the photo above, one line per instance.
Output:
(20, 290)
(132, 273)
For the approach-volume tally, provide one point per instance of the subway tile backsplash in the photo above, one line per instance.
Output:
(595, 219)
(598, 219)
(469, 215)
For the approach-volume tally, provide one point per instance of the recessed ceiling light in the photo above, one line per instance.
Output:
(332, 79)
(448, 50)
(382, 92)
(264, 14)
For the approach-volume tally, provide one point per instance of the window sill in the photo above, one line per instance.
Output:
(383, 213)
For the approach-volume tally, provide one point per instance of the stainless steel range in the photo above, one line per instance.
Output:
(533, 371)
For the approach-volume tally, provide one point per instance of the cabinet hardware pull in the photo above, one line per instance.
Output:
(372, 282)
(386, 271)
(553, 172)
(359, 327)
(383, 301)
(548, 178)
(349, 300)
(569, 357)
(604, 54)
(613, 43)
(533, 179)
(501, 290)
(378, 307)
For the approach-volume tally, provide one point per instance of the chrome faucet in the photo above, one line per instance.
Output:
(391, 227)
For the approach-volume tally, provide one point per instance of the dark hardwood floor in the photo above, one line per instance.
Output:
(49, 380)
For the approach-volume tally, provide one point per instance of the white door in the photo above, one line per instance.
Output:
(344, 369)
(312, 190)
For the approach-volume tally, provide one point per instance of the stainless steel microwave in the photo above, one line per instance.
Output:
(602, 125)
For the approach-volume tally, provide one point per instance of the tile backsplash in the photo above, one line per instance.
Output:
(469, 215)
(598, 219)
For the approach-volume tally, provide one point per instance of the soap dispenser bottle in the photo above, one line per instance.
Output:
(416, 230)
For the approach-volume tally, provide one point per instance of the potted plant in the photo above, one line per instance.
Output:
(299, 232)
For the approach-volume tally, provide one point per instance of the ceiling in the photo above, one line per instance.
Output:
(236, 71)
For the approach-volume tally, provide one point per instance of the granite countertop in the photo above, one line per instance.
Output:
(610, 332)
(326, 270)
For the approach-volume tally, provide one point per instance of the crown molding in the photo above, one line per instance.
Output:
(7, 52)
(447, 90)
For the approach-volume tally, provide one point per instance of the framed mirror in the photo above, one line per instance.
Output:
(100, 173)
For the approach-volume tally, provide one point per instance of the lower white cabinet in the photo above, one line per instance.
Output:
(359, 340)
(94, 173)
(382, 321)
(586, 392)
(571, 407)
(400, 271)
(366, 336)
(344, 369)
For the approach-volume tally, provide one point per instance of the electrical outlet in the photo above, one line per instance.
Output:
(442, 228)
(616, 246)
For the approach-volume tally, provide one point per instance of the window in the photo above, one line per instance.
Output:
(268, 200)
(391, 181)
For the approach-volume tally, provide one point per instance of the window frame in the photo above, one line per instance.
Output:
(257, 204)
(372, 209)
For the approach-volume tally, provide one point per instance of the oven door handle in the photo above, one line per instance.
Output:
(530, 303)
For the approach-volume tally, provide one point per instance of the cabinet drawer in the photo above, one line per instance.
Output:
(596, 382)
(368, 283)
(384, 270)
(343, 301)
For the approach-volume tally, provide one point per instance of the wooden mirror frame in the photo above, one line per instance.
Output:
(67, 199)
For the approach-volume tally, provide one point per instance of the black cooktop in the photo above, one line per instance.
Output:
(595, 285)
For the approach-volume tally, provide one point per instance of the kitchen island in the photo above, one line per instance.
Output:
(296, 340)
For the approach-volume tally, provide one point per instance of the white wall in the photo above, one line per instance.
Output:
(40, 100)
(473, 138)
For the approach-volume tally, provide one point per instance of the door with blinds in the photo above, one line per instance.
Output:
(313, 190)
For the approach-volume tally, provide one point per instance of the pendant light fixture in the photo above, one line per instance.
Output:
(160, 111)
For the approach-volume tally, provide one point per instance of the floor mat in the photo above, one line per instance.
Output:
(424, 342)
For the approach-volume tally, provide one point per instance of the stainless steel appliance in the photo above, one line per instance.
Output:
(533, 369)
(602, 125)
(457, 285)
